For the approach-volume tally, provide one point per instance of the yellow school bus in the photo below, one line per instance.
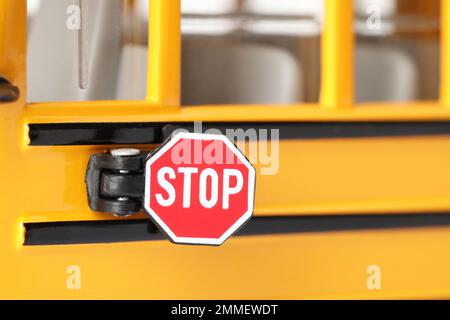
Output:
(358, 203)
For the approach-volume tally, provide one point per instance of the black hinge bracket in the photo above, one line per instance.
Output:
(115, 182)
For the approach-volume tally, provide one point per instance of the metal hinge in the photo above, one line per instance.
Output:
(115, 181)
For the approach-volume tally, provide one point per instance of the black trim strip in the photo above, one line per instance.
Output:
(64, 134)
(60, 233)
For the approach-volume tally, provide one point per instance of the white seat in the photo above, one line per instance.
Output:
(312, 8)
(53, 54)
(229, 72)
(300, 17)
(208, 7)
(385, 73)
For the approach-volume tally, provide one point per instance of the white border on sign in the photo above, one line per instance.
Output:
(251, 188)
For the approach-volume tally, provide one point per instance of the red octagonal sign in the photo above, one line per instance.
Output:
(199, 188)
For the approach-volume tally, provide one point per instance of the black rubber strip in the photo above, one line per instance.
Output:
(63, 233)
(65, 134)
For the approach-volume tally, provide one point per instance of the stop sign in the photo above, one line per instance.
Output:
(199, 188)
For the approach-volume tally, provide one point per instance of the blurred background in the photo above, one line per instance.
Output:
(233, 51)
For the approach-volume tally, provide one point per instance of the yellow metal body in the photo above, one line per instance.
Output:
(317, 177)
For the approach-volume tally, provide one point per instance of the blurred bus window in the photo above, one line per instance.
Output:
(397, 50)
(250, 51)
(82, 50)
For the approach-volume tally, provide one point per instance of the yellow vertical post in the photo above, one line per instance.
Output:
(163, 83)
(445, 53)
(337, 89)
(13, 15)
